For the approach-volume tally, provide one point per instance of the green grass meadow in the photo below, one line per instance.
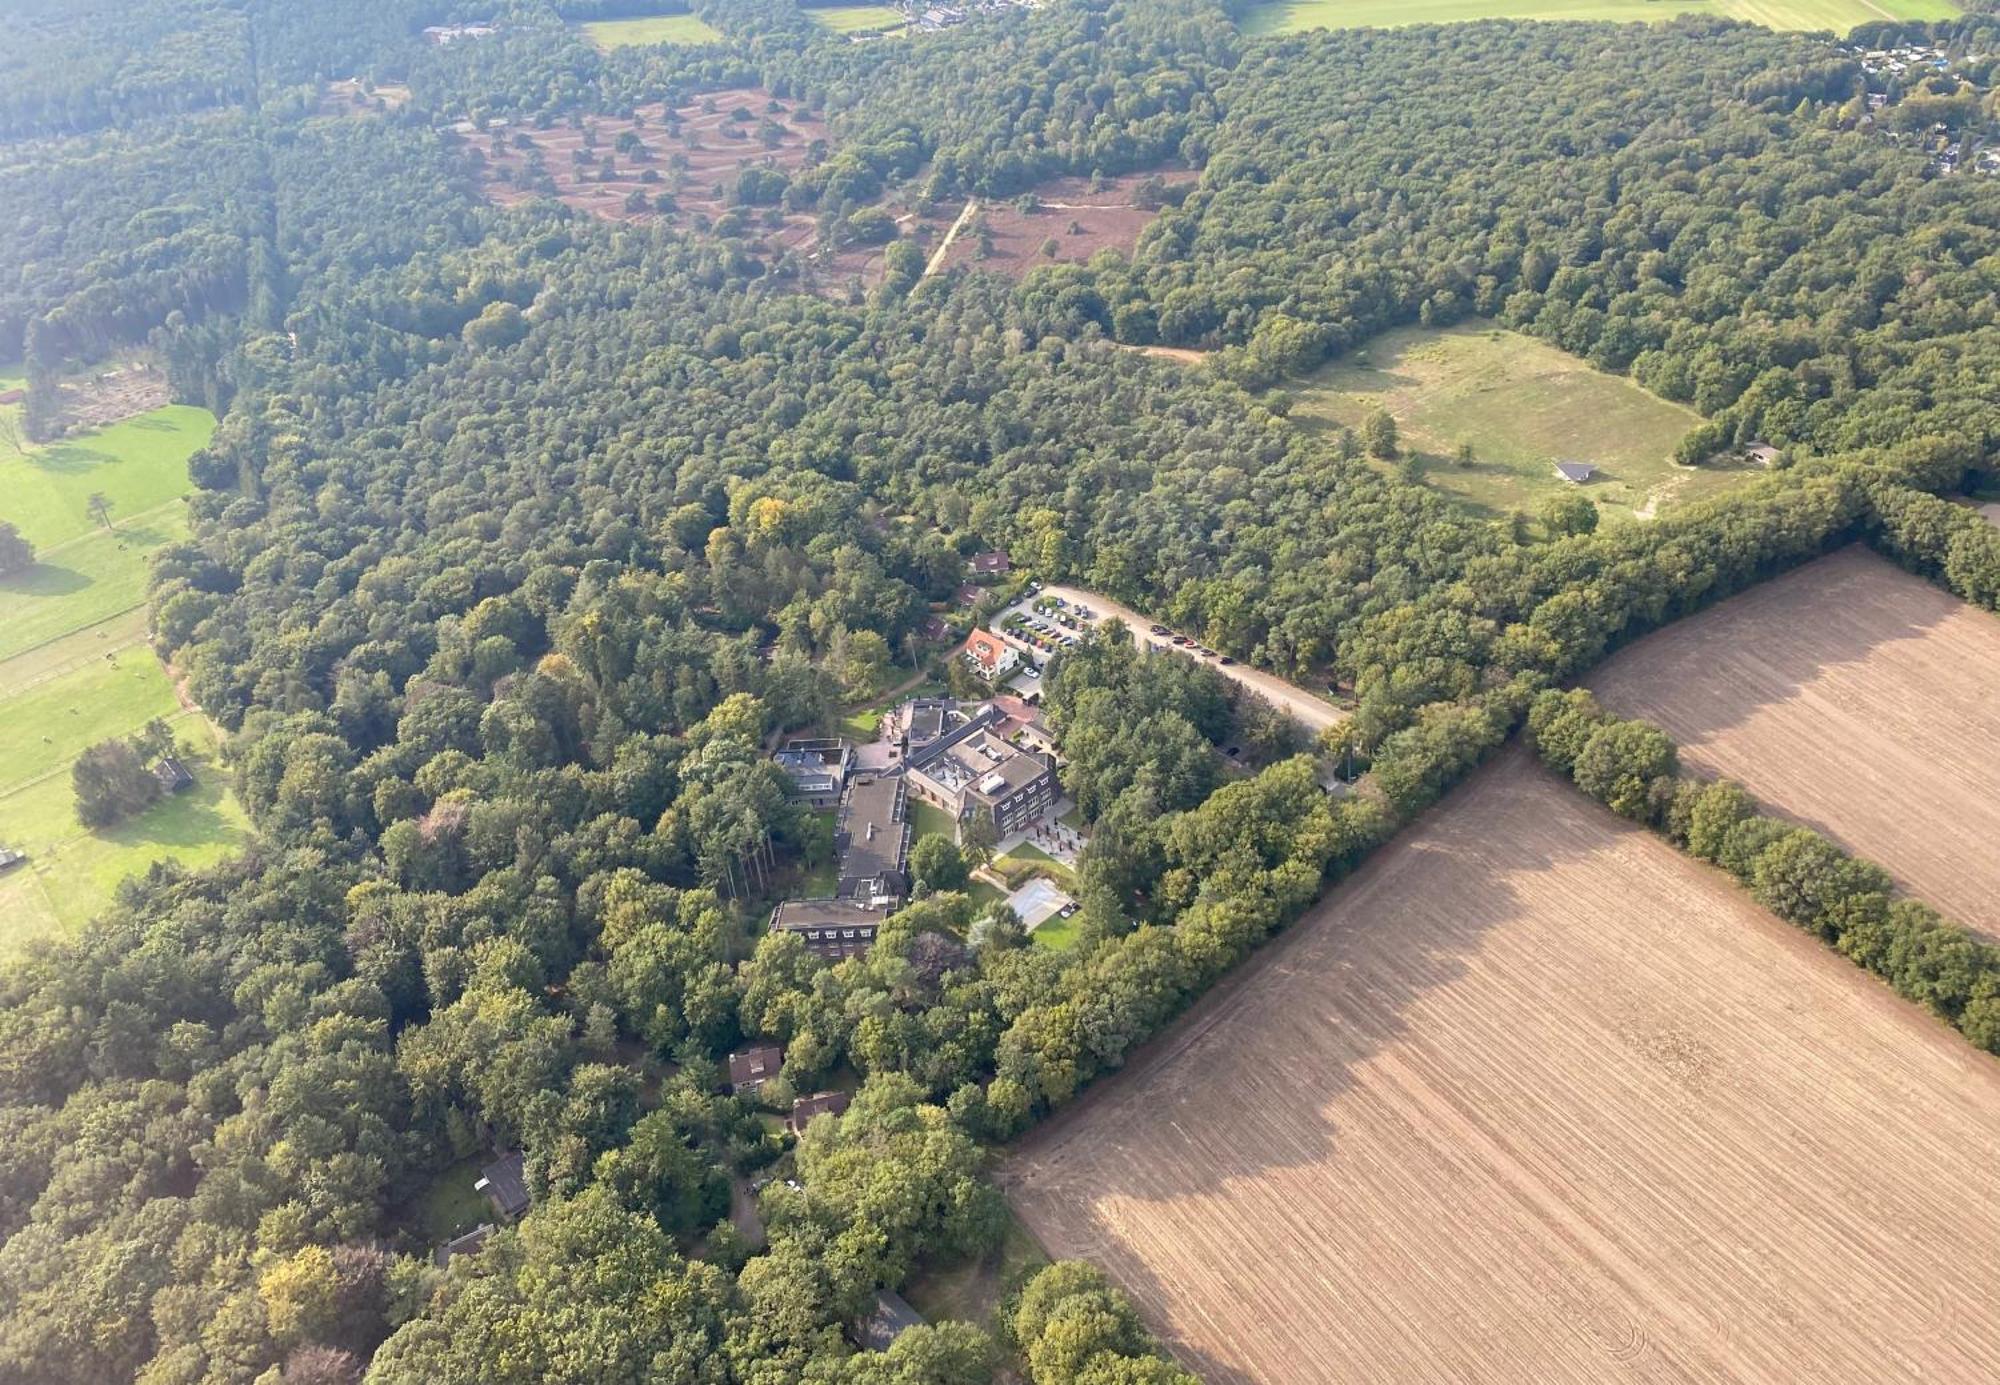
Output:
(606, 34)
(848, 19)
(1523, 405)
(139, 465)
(85, 581)
(75, 668)
(1294, 16)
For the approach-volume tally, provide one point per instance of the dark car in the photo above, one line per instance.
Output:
(1227, 660)
(1181, 639)
(1156, 630)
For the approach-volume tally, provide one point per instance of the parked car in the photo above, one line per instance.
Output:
(1066, 911)
(1226, 660)
(1157, 630)
(1180, 639)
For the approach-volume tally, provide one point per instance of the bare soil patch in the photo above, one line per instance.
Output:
(111, 394)
(1080, 218)
(1533, 1097)
(1852, 697)
(696, 153)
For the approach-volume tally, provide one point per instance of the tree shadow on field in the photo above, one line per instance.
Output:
(44, 579)
(1786, 633)
(1249, 1081)
(1764, 647)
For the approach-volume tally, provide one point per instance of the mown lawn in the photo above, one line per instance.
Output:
(449, 1207)
(85, 581)
(138, 465)
(1523, 405)
(47, 718)
(848, 19)
(1058, 934)
(926, 818)
(606, 34)
(1291, 16)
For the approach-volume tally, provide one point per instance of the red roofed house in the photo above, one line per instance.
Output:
(990, 654)
(751, 1068)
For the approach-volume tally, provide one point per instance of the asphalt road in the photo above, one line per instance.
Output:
(1315, 713)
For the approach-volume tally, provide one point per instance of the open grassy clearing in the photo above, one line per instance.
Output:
(1523, 405)
(73, 874)
(85, 580)
(79, 649)
(54, 702)
(607, 34)
(1852, 697)
(975, 1290)
(449, 1207)
(1292, 16)
(44, 726)
(848, 19)
(1534, 1097)
(139, 465)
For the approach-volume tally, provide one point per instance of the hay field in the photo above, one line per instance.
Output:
(1855, 698)
(1534, 1098)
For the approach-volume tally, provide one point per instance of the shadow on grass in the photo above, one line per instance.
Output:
(45, 580)
(73, 458)
(185, 820)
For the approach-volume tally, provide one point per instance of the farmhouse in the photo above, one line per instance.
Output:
(820, 1103)
(990, 656)
(817, 766)
(1576, 473)
(505, 1183)
(956, 762)
(1762, 453)
(751, 1068)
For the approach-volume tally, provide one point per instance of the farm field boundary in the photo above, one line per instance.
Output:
(1482, 1113)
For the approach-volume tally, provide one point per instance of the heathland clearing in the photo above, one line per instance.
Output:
(1854, 698)
(1524, 406)
(1293, 16)
(1534, 1097)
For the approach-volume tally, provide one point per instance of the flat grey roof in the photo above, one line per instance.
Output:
(871, 822)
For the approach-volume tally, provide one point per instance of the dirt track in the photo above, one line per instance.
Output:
(1855, 698)
(1533, 1098)
(1312, 712)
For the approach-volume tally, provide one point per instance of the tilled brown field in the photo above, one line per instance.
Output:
(1534, 1098)
(1851, 696)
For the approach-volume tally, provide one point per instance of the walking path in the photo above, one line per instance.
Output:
(944, 246)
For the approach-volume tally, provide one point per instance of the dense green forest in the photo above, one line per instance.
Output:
(523, 531)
